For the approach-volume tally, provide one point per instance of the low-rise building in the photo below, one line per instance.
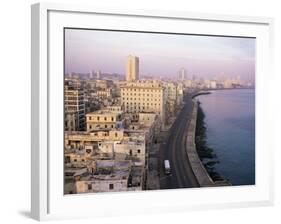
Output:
(133, 149)
(110, 176)
(106, 93)
(104, 119)
(79, 140)
(213, 84)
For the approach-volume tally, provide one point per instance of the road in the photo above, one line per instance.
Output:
(173, 149)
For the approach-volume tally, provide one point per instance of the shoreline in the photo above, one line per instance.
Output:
(224, 164)
(206, 154)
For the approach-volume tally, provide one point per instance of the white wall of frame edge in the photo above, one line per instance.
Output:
(40, 200)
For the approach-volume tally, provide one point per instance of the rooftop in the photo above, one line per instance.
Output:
(105, 111)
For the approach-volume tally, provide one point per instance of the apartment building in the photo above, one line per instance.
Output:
(143, 96)
(104, 119)
(74, 107)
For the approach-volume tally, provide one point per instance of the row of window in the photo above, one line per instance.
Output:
(143, 89)
(139, 108)
(111, 186)
(98, 118)
(155, 104)
(82, 160)
(152, 95)
(105, 126)
(146, 99)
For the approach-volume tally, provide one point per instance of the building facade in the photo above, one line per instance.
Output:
(74, 108)
(132, 68)
(103, 119)
(143, 96)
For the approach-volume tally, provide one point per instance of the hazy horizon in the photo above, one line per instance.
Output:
(159, 54)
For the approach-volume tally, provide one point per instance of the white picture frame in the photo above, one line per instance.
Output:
(48, 201)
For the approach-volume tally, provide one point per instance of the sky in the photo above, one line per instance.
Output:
(160, 55)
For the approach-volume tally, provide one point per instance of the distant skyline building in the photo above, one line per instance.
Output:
(98, 74)
(132, 68)
(92, 74)
(206, 55)
(182, 74)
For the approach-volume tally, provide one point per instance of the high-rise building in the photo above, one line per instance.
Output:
(182, 74)
(132, 68)
(74, 107)
(92, 74)
(98, 75)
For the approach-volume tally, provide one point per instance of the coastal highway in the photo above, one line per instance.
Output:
(173, 149)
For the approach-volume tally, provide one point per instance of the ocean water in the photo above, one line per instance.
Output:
(230, 122)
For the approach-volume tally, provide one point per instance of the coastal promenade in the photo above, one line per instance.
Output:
(198, 168)
(173, 149)
(187, 170)
(201, 174)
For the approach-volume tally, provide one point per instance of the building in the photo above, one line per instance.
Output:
(132, 149)
(171, 99)
(213, 84)
(179, 94)
(143, 96)
(106, 93)
(115, 109)
(74, 107)
(70, 120)
(182, 74)
(104, 119)
(188, 83)
(98, 74)
(82, 140)
(109, 176)
(132, 68)
(79, 157)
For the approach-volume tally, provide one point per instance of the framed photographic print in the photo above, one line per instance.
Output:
(137, 111)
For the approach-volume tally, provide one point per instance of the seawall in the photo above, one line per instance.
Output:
(198, 168)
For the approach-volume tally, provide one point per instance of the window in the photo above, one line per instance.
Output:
(111, 186)
(89, 186)
(116, 135)
(98, 118)
(105, 118)
(139, 151)
(112, 118)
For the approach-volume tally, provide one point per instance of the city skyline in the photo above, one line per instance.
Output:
(203, 56)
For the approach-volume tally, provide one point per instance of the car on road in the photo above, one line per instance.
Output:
(167, 167)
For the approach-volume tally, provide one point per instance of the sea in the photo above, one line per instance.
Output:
(230, 132)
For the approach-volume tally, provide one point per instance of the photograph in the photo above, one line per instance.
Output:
(157, 111)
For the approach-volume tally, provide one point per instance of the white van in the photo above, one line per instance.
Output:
(167, 167)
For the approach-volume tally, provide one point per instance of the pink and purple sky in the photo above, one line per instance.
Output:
(159, 54)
